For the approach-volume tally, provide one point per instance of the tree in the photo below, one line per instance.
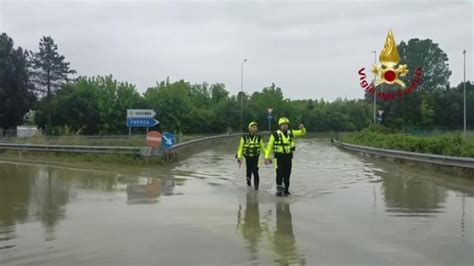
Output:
(269, 97)
(49, 72)
(75, 105)
(418, 109)
(16, 92)
(173, 104)
(114, 98)
(218, 93)
(427, 112)
(91, 105)
(431, 58)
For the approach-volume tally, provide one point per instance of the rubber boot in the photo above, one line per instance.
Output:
(279, 192)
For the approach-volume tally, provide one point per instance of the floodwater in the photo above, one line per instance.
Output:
(345, 209)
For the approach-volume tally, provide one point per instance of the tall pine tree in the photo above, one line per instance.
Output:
(49, 72)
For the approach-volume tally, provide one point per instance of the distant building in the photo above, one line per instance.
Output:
(26, 131)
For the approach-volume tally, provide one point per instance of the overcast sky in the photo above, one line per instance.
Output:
(310, 49)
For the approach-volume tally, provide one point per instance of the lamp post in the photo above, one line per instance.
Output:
(464, 53)
(375, 90)
(242, 95)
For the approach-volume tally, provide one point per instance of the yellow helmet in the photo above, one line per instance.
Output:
(283, 120)
(253, 123)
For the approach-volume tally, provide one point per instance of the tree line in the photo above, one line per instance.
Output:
(42, 82)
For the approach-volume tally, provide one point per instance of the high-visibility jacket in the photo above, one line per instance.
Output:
(250, 145)
(280, 143)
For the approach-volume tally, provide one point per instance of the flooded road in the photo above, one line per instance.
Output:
(345, 209)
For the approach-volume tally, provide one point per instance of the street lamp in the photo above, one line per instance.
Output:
(242, 94)
(375, 90)
(464, 53)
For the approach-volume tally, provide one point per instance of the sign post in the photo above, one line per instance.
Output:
(269, 117)
(379, 117)
(142, 122)
(168, 140)
(140, 113)
(140, 118)
(153, 139)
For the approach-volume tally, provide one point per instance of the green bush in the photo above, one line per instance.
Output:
(380, 137)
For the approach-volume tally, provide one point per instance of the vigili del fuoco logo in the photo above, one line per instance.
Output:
(389, 72)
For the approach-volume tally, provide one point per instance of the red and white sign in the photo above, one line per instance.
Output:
(153, 139)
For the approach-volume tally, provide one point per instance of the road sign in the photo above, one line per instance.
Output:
(270, 110)
(269, 117)
(153, 139)
(380, 112)
(140, 113)
(168, 140)
(142, 122)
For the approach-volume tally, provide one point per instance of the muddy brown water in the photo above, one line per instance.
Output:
(345, 209)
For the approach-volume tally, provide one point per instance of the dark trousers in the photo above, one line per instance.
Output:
(252, 169)
(283, 171)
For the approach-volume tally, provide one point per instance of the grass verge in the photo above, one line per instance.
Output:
(450, 144)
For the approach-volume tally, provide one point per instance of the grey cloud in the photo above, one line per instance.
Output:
(310, 49)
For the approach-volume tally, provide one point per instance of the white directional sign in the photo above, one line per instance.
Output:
(142, 113)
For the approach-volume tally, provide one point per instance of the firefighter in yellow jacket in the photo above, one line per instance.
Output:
(251, 144)
(282, 143)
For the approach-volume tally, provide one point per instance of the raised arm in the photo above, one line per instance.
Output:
(300, 132)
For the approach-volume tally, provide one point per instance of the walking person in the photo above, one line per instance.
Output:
(250, 146)
(282, 143)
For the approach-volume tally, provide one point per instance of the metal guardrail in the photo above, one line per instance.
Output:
(144, 151)
(465, 162)
(189, 143)
(15, 139)
(70, 148)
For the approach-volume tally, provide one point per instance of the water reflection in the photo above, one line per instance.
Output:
(51, 194)
(147, 190)
(98, 181)
(284, 240)
(249, 225)
(40, 194)
(27, 194)
(142, 193)
(15, 193)
(408, 196)
(31, 193)
(168, 186)
(257, 229)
